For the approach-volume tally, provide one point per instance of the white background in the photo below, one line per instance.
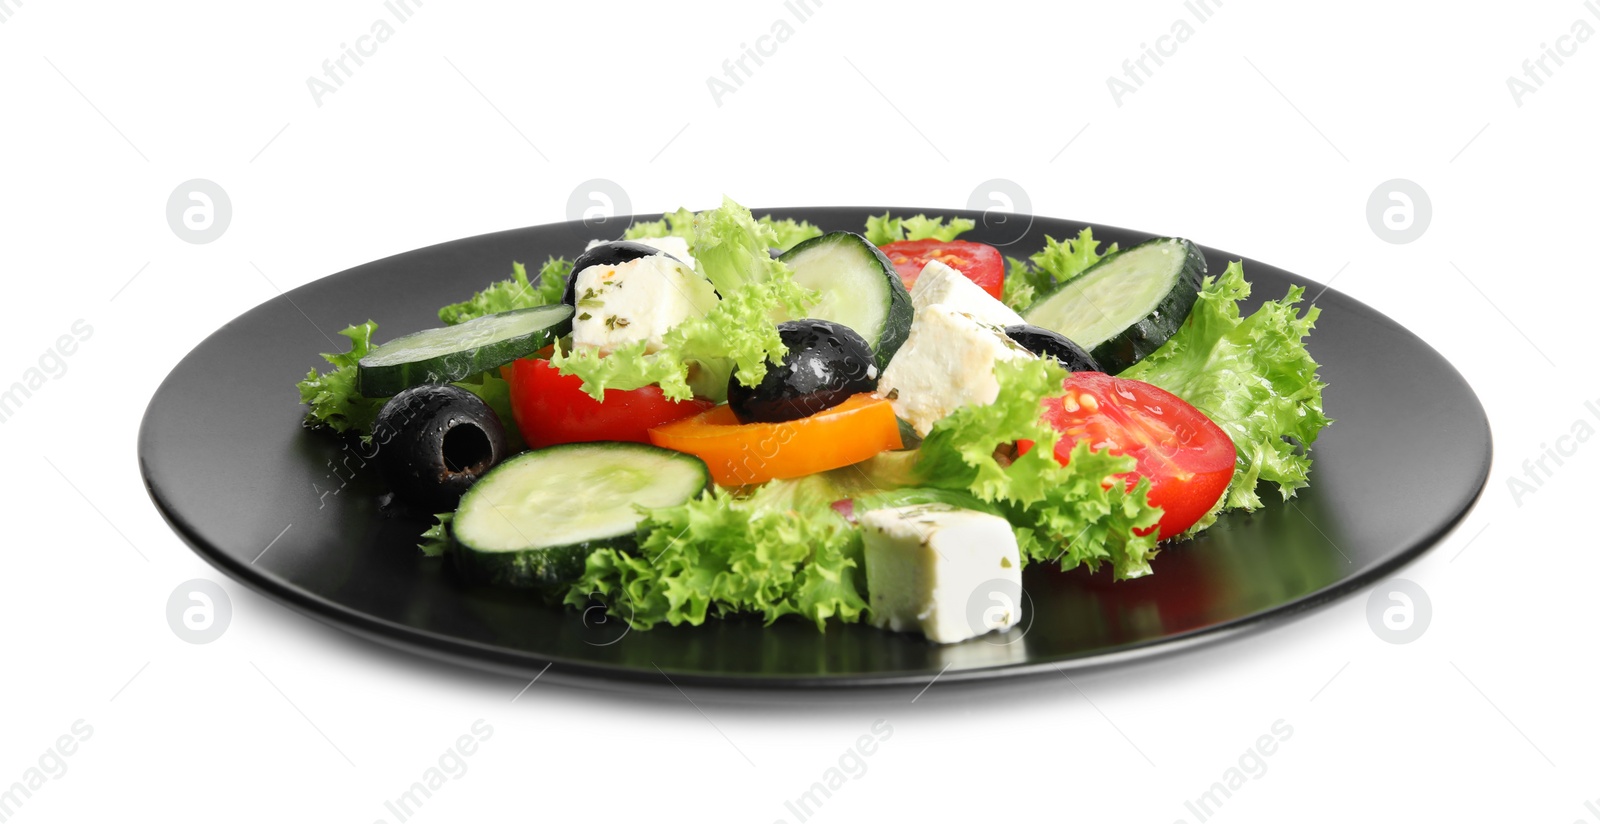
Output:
(1264, 134)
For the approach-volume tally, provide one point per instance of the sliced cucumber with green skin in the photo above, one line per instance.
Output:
(1126, 305)
(531, 521)
(859, 287)
(450, 353)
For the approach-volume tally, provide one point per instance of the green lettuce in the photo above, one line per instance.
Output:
(1071, 515)
(332, 395)
(517, 292)
(1018, 290)
(883, 229)
(681, 224)
(790, 232)
(1062, 260)
(736, 337)
(779, 551)
(671, 224)
(1253, 377)
(436, 539)
(1058, 262)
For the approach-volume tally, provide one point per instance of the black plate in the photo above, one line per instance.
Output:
(230, 467)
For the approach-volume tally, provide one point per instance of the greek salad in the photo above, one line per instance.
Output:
(722, 414)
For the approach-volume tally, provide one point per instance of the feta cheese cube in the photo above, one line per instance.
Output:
(950, 573)
(946, 362)
(640, 300)
(939, 283)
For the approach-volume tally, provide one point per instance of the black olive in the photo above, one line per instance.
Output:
(1048, 344)
(827, 363)
(615, 253)
(434, 441)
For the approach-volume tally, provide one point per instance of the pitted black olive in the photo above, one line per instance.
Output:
(1048, 344)
(434, 441)
(826, 363)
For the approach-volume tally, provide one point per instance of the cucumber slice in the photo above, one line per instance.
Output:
(450, 353)
(859, 286)
(1128, 304)
(532, 520)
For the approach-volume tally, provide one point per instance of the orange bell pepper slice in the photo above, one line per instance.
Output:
(752, 453)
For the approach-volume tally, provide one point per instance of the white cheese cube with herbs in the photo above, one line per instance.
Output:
(947, 362)
(671, 244)
(640, 300)
(949, 573)
(940, 283)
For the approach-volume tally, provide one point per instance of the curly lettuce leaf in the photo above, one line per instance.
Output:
(671, 224)
(731, 247)
(436, 539)
(789, 231)
(737, 336)
(629, 367)
(1018, 290)
(332, 395)
(883, 229)
(1065, 259)
(1058, 262)
(1071, 515)
(959, 451)
(780, 551)
(1080, 521)
(681, 224)
(1251, 375)
(517, 292)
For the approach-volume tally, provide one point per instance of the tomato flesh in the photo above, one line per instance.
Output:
(980, 262)
(752, 453)
(552, 408)
(1188, 458)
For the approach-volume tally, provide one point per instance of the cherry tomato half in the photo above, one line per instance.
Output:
(1188, 458)
(753, 453)
(552, 408)
(980, 262)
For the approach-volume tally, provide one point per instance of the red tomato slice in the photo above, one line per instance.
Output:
(981, 263)
(1188, 458)
(552, 408)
